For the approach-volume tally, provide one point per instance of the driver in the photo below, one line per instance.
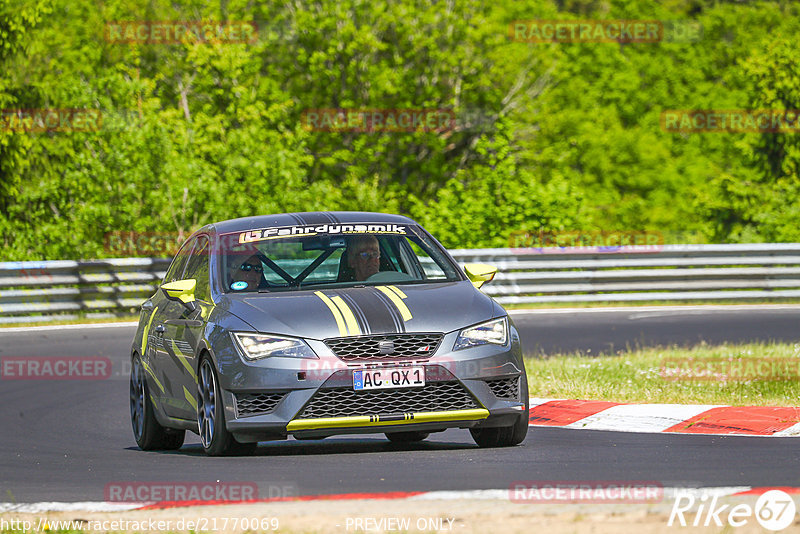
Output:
(364, 256)
(248, 271)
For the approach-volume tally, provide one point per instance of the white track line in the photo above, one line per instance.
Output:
(89, 506)
(640, 417)
(669, 494)
(791, 431)
(650, 418)
(45, 328)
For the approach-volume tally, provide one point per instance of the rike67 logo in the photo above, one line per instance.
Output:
(774, 510)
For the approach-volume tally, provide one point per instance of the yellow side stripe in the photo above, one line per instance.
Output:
(349, 318)
(146, 330)
(183, 359)
(397, 302)
(399, 293)
(190, 397)
(151, 373)
(374, 420)
(334, 311)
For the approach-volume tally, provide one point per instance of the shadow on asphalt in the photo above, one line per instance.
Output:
(323, 447)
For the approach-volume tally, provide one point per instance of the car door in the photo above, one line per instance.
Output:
(167, 366)
(183, 331)
(155, 310)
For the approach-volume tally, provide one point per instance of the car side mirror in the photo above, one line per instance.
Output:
(181, 291)
(479, 273)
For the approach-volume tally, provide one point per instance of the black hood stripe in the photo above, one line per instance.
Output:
(396, 297)
(361, 319)
(399, 325)
(375, 311)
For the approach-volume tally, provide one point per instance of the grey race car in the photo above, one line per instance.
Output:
(315, 324)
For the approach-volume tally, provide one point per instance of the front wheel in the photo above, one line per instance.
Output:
(214, 436)
(149, 434)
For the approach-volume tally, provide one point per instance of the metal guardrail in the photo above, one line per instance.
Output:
(95, 288)
(671, 272)
(105, 288)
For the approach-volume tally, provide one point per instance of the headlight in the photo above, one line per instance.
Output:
(494, 331)
(257, 346)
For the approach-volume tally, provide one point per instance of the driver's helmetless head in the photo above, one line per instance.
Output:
(364, 256)
(248, 271)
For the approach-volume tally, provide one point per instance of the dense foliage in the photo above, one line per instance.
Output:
(555, 136)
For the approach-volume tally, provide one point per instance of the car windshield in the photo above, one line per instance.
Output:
(331, 255)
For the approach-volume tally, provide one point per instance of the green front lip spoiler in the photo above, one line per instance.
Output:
(384, 420)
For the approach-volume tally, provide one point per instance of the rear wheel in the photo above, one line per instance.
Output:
(506, 436)
(407, 437)
(149, 434)
(214, 436)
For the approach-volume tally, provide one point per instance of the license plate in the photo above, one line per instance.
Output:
(389, 378)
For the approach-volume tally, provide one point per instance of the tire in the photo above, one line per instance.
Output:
(407, 437)
(214, 436)
(505, 436)
(148, 433)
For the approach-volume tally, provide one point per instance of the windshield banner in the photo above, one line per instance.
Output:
(289, 231)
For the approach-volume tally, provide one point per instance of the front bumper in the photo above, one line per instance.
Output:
(272, 398)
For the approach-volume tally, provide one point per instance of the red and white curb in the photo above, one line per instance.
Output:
(668, 418)
(668, 494)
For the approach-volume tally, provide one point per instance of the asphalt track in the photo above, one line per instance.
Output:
(68, 440)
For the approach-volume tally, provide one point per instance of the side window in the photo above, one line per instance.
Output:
(175, 271)
(197, 268)
(389, 253)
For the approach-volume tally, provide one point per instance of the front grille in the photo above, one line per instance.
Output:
(345, 402)
(405, 346)
(251, 404)
(504, 388)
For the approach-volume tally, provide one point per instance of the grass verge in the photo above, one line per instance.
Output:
(755, 374)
